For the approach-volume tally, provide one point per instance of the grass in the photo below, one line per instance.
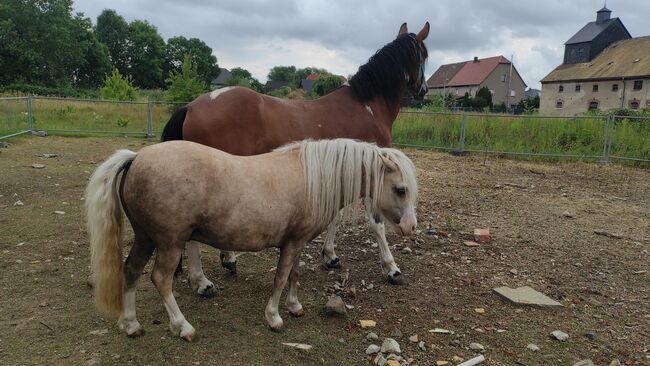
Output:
(581, 137)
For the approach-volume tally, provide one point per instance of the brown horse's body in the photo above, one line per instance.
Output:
(264, 123)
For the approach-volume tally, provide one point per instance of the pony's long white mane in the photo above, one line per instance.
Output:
(334, 170)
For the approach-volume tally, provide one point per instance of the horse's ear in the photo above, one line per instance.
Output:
(388, 164)
(423, 33)
(403, 29)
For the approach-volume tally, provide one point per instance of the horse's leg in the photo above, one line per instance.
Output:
(288, 254)
(330, 259)
(198, 282)
(229, 261)
(294, 306)
(162, 277)
(387, 261)
(138, 257)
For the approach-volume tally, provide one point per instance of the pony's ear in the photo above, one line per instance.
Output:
(388, 164)
(423, 33)
(403, 29)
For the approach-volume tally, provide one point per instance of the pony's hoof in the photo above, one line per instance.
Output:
(137, 333)
(230, 266)
(333, 263)
(208, 291)
(396, 279)
(278, 329)
(192, 337)
(297, 313)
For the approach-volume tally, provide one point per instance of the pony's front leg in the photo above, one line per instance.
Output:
(294, 306)
(229, 261)
(163, 277)
(387, 261)
(330, 259)
(198, 282)
(288, 254)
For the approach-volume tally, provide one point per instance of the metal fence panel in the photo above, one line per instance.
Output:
(14, 117)
(630, 139)
(432, 130)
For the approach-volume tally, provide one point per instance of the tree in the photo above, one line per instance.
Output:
(486, 96)
(113, 31)
(282, 73)
(327, 83)
(303, 73)
(200, 53)
(186, 85)
(147, 55)
(118, 87)
(95, 64)
(242, 77)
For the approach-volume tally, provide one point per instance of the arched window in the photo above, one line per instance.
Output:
(634, 103)
(559, 104)
(560, 89)
(593, 104)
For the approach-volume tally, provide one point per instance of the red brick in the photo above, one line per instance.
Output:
(482, 235)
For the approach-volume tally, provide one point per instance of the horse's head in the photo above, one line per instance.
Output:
(414, 75)
(399, 191)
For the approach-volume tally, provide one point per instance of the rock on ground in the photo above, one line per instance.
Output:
(533, 347)
(526, 296)
(559, 335)
(476, 347)
(335, 305)
(586, 362)
(372, 336)
(390, 346)
(372, 349)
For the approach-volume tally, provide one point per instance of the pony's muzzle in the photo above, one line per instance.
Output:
(407, 224)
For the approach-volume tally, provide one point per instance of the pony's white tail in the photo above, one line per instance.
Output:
(104, 214)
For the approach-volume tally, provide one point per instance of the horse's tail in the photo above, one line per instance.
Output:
(104, 214)
(174, 128)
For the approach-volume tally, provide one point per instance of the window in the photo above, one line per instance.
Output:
(593, 105)
(560, 89)
(595, 88)
(577, 87)
(634, 103)
(559, 104)
(638, 85)
(503, 78)
(614, 87)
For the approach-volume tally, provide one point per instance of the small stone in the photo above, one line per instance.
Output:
(591, 336)
(390, 346)
(414, 338)
(559, 335)
(19, 203)
(49, 155)
(38, 166)
(380, 360)
(395, 357)
(479, 310)
(367, 323)
(526, 296)
(440, 331)
(482, 235)
(533, 347)
(568, 215)
(469, 243)
(43, 304)
(396, 333)
(99, 331)
(335, 305)
(422, 346)
(341, 340)
(454, 342)
(59, 212)
(301, 346)
(457, 359)
(615, 362)
(477, 347)
(392, 363)
(442, 363)
(407, 250)
(514, 271)
(586, 362)
(372, 349)
(372, 336)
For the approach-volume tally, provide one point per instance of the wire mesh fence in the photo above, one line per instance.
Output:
(598, 138)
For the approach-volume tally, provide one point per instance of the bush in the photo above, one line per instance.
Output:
(118, 87)
(185, 86)
(65, 91)
(325, 84)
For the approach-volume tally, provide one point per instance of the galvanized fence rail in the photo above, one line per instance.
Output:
(24, 115)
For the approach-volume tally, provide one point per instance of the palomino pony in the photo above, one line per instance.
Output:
(280, 199)
(242, 122)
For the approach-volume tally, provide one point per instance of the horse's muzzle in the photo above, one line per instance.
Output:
(407, 225)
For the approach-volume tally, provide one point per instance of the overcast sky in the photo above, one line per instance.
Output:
(341, 35)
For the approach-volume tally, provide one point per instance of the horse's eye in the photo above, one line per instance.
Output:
(400, 191)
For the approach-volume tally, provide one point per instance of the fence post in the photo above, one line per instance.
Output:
(149, 120)
(461, 143)
(612, 125)
(606, 140)
(30, 118)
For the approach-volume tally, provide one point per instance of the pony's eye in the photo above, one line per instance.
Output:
(400, 191)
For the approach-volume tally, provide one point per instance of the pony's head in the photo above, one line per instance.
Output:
(398, 193)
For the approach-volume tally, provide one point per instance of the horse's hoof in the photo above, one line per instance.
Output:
(137, 333)
(396, 279)
(278, 329)
(208, 292)
(192, 337)
(299, 313)
(230, 266)
(333, 263)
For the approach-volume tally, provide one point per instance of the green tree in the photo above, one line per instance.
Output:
(486, 95)
(242, 77)
(118, 87)
(96, 64)
(282, 73)
(147, 55)
(303, 73)
(200, 53)
(326, 84)
(113, 31)
(186, 85)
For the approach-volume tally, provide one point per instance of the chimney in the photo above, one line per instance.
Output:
(603, 15)
(475, 59)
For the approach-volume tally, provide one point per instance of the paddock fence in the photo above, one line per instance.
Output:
(603, 139)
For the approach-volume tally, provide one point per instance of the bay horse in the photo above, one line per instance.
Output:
(280, 199)
(242, 122)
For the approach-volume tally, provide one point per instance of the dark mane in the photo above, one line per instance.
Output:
(383, 74)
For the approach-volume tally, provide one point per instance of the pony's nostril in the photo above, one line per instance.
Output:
(413, 228)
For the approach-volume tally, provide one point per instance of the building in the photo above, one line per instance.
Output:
(496, 73)
(603, 68)
(531, 93)
(221, 80)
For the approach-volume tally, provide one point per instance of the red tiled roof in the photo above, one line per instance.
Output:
(475, 72)
(312, 76)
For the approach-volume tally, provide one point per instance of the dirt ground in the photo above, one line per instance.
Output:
(47, 314)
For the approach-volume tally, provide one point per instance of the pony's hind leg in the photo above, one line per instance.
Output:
(199, 283)
(288, 255)
(163, 277)
(138, 257)
(294, 306)
(229, 261)
(387, 261)
(330, 259)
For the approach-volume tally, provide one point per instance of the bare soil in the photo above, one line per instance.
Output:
(47, 314)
